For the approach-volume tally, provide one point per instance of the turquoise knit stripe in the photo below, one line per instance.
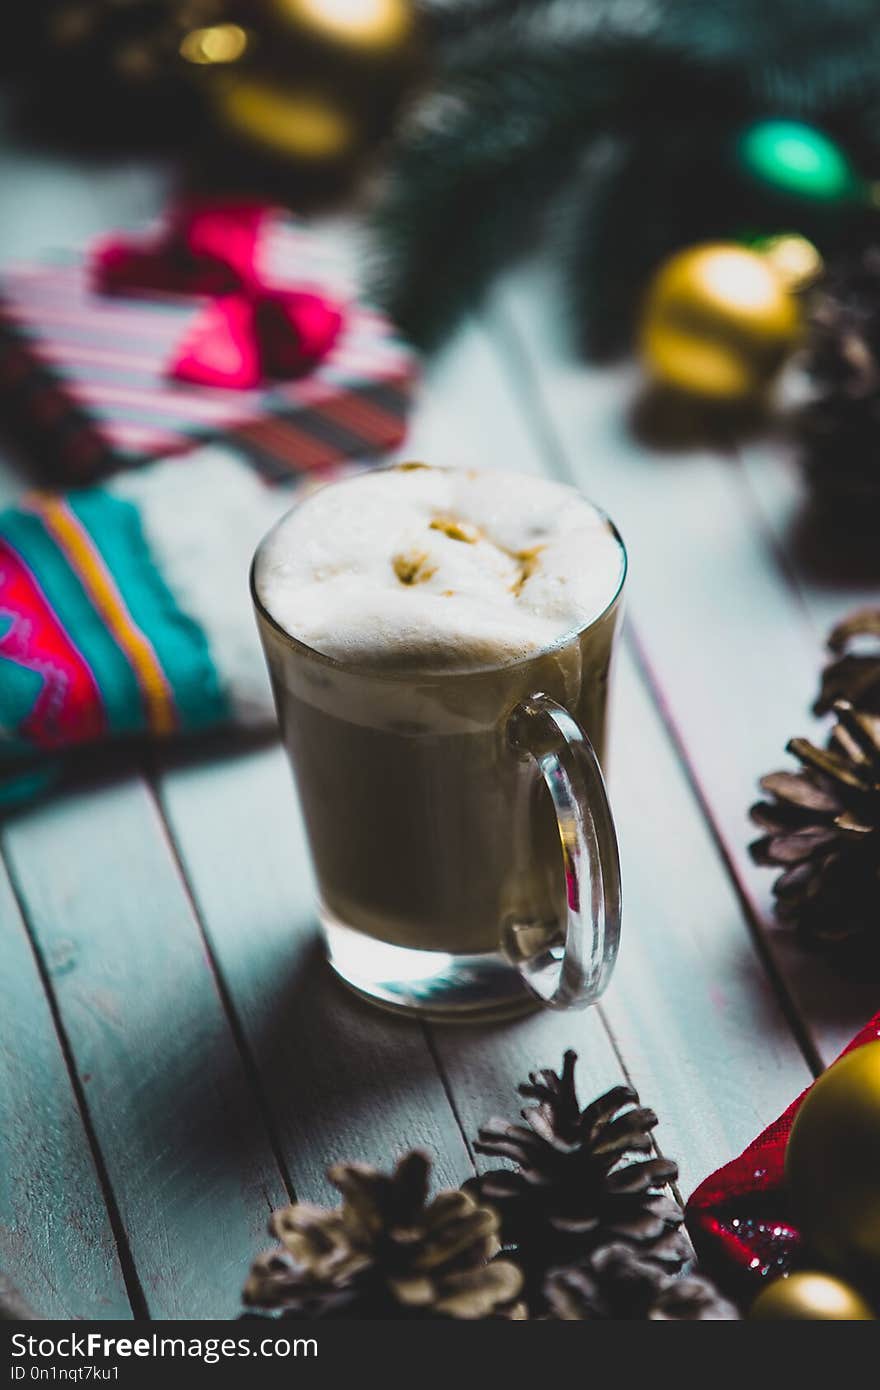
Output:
(181, 646)
(27, 534)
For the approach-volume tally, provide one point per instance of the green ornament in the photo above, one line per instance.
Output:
(799, 161)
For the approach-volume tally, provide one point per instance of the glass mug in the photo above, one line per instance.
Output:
(458, 821)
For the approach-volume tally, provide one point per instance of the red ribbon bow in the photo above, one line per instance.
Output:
(740, 1218)
(250, 332)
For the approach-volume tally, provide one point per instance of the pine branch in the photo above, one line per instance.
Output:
(475, 173)
(645, 198)
(526, 91)
(454, 209)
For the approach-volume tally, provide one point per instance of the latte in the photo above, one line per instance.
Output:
(405, 615)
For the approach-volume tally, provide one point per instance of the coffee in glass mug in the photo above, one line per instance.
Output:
(440, 643)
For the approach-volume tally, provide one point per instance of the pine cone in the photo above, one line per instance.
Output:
(823, 830)
(617, 1283)
(581, 1179)
(839, 429)
(386, 1252)
(692, 1298)
(854, 675)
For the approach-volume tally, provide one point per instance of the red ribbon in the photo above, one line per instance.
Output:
(740, 1218)
(250, 332)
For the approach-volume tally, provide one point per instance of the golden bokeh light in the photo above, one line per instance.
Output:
(810, 1296)
(382, 26)
(794, 258)
(218, 43)
(302, 125)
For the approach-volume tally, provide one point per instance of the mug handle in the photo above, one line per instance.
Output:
(571, 973)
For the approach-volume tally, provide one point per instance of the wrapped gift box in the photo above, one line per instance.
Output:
(83, 375)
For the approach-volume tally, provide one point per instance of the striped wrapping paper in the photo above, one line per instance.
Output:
(125, 612)
(82, 374)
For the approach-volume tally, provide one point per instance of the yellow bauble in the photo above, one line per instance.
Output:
(832, 1162)
(298, 125)
(810, 1297)
(374, 28)
(719, 321)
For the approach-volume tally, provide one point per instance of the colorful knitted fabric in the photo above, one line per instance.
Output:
(83, 375)
(125, 612)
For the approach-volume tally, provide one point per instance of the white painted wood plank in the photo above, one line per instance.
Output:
(691, 1005)
(184, 1146)
(53, 198)
(721, 632)
(56, 1242)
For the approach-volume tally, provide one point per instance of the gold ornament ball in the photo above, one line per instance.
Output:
(300, 125)
(809, 1296)
(374, 28)
(832, 1162)
(719, 321)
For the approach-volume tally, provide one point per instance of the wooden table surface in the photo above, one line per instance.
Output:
(174, 1058)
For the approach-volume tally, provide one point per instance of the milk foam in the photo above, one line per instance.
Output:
(423, 568)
